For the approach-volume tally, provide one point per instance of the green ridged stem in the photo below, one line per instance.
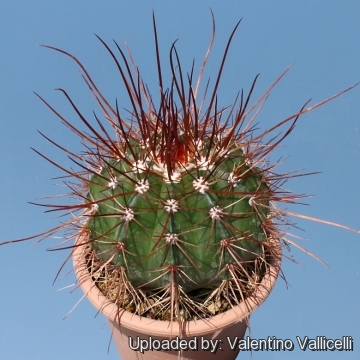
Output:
(131, 227)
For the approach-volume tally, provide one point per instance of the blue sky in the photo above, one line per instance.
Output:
(321, 37)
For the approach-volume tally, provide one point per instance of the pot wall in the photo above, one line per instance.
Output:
(124, 325)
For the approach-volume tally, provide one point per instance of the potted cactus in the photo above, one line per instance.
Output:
(177, 233)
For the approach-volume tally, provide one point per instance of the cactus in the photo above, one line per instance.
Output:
(179, 205)
(178, 202)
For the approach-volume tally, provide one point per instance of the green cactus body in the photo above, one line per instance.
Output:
(182, 223)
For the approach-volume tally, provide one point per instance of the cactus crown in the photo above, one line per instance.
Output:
(180, 206)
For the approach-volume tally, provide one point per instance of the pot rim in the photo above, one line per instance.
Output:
(153, 327)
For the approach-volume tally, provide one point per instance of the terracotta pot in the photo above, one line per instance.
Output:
(128, 328)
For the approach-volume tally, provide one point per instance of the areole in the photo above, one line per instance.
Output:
(133, 334)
